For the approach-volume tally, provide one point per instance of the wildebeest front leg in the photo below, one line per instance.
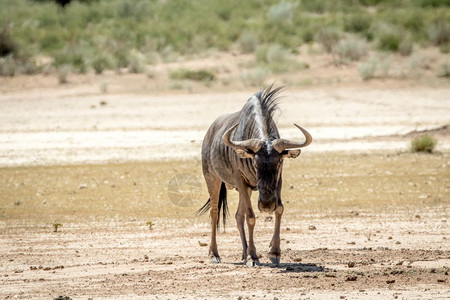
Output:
(240, 221)
(252, 257)
(275, 250)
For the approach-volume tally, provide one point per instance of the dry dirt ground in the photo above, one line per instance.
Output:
(120, 171)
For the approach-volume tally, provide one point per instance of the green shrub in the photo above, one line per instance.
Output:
(200, 75)
(255, 77)
(281, 12)
(405, 47)
(367, 69)
(248, 42)
(423, 143)
(100, 63)
(357, 23)
(389, 41)
(439, 32)
(351, 49)
(445, 48)
(7, 66)
(444, 70)
(277, 59)
(329, 37)
(63, 72)
(136, 62)
(7, 45)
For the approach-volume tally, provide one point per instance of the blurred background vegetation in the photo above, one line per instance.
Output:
(80, 36)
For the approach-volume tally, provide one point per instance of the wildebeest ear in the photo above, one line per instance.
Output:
(291, 153)
(244, 154)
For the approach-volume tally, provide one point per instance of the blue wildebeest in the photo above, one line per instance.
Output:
(244, 151)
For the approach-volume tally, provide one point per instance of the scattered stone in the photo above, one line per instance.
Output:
(268, 219)
(417, 216)
(312, 227)
(202, 244)
(83, 186)
(440, 280)
(62, 298)
(398, 262)
(351, 264)
(398, 242)
(351, 243)
(351, 278)
(390, 238)
(390, 281)
(330, 275)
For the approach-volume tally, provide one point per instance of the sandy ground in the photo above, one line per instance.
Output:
(79, 124)
(50, 134)
(399, 255)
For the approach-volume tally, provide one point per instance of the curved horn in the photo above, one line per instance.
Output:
(282, 144)
(252, 144)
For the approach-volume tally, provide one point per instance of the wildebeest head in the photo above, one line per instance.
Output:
(267, 158)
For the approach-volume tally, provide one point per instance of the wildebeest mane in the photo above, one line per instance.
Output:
(268, 104)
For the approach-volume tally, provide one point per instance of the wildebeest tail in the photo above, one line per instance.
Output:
(223, 205)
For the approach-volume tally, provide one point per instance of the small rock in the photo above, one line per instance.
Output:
(390, 281)
(268, 219)
(312, 227)
(440, 280)
(83, 186)
(351, 264)
(351, 278)
(397, 243)
(202, 244)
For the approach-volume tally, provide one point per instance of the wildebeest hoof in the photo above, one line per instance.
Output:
(274, 259)
(215, 260)
(249, 262)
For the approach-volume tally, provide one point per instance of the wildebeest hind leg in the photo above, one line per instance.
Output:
(213, 183)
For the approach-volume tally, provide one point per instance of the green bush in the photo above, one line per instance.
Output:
(100, 63)
(255, 77)
(351, 49)
(389, 41)
(248, 42)
(444, 70)
(200, 75)
(367, 70)
(445, 48)
(357, 23)
(7, 66)
(405, 47)
(423, 143)
(329, 37)
(7, 45)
